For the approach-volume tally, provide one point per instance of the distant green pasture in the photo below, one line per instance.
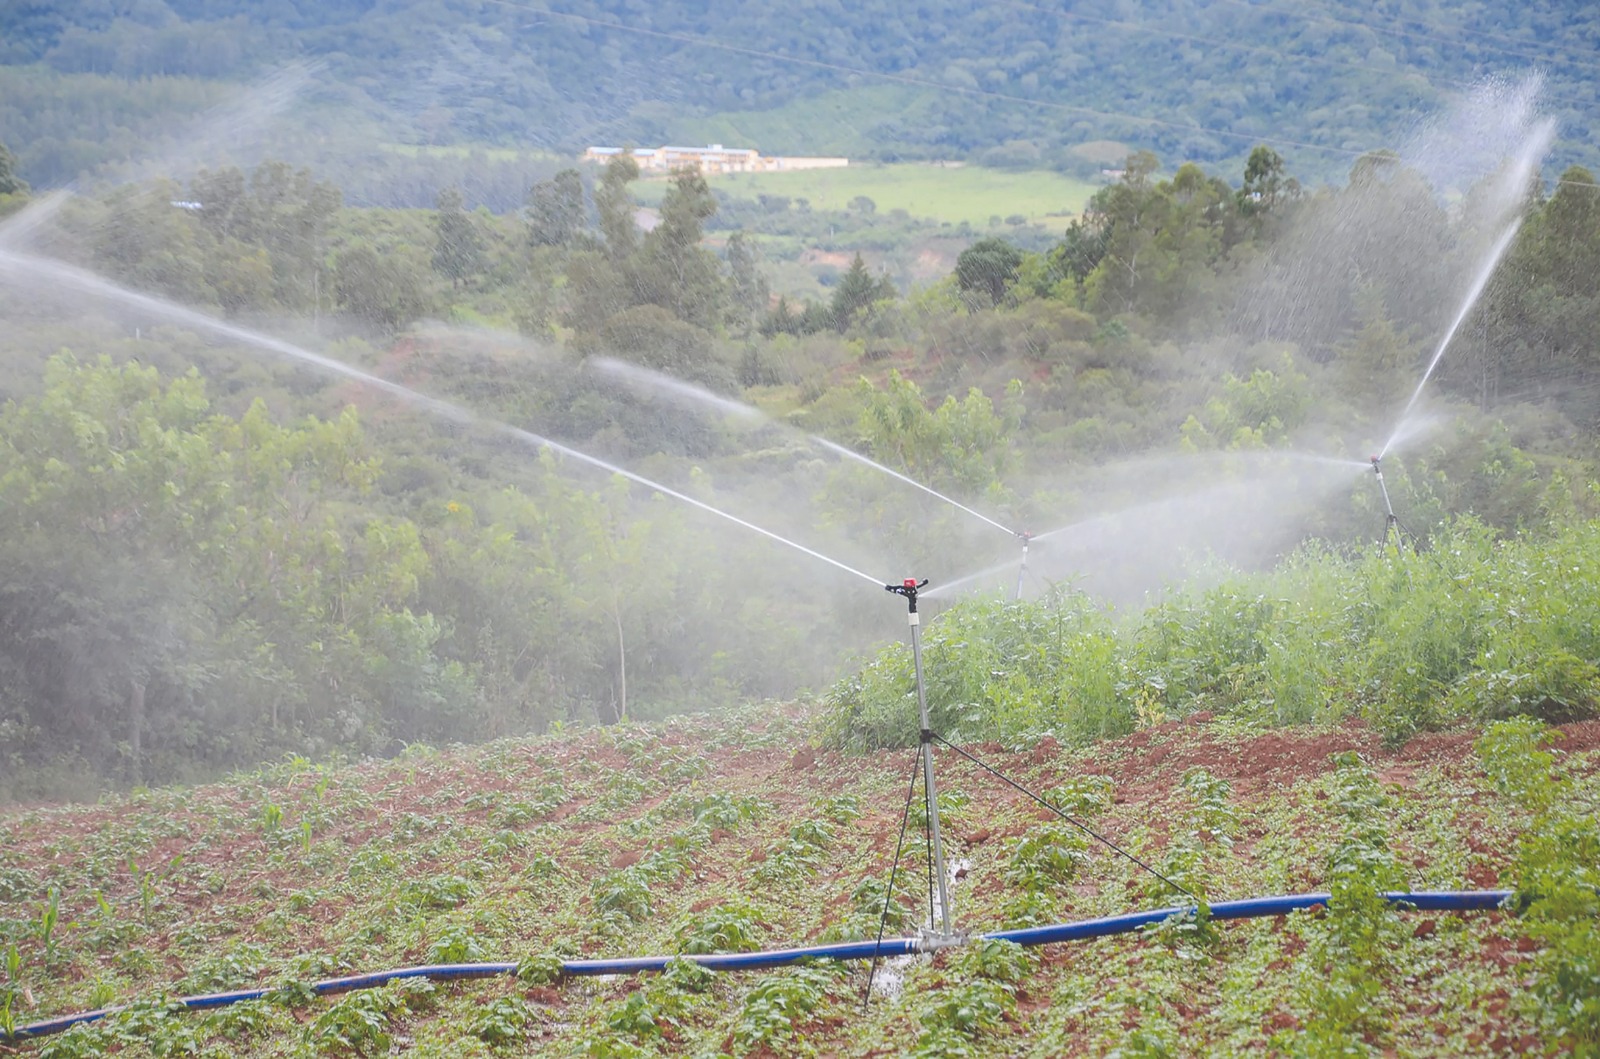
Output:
(944, 193)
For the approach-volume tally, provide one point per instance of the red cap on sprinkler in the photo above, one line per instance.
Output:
(910, 582)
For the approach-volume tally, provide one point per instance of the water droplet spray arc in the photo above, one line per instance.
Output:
(646, 379)
(939, 930)
(28, 268)
(1496, 252)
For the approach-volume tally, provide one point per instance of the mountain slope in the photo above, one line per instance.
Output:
(1018, 83)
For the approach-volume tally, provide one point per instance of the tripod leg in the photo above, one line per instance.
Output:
(894, 868)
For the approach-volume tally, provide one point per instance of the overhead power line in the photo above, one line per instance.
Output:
(1257, 49)
(941, 86)
(926, 82)
(1454, 41)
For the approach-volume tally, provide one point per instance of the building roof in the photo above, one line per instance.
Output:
(715, 148)
(646, 152)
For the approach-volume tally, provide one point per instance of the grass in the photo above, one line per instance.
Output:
(724, 833)
(943, 193)
(828, 123)
(493, 154)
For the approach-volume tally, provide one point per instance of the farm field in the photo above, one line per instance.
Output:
(945, 193)
(737, 833)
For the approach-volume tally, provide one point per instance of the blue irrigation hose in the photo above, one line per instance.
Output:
(1250, 908)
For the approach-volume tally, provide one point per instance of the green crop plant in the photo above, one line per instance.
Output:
(778, 1004)
(1214, 818)
(839, 808)
(951, 802)
(1556, 686)
(88, 1040)
(1348, 949)
(791, 860)
(1048, 856)
(728, 811)
(1028, 908)
(228, 970)
(504, 1021)
(456, 943)
(728, 927)
(12, 989)
(1514, 756)
(812, 833)
(995, 959)
(681, 768)
(356, 1024)
(686, 976)
(624, 893)
(49, 919)
(1557, 878)
(1081, 795)
(439, 892)
(964, 1012)
(503, 843)
(540, 969)
(236, 1022)
(638, 1017)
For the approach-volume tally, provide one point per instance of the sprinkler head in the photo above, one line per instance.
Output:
(1375, 468)
(907, 588)
(1024, 536)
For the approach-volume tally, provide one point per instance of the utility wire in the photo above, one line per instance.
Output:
(941, 86)
(1404, 19)
(1079, 824)
(924, 82)
(1327, 19)
(1139, 27)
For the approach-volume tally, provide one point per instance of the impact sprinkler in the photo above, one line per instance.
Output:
(909, 589)
(1025, 537)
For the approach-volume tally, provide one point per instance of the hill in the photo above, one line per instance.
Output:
(736, 833)
(1008, 84)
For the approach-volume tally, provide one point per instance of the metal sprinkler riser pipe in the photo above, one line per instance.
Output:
(909, 588)
(1026, 538)
(1377, 469)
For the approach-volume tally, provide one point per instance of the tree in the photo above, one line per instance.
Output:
(1376, 361)
(616, 208)
(458, 248)
(556, 211)
(963, 443)
(386, 291)
(856, 291)
(10, 182)
(1266, 189)
(1536, 322)
(651, 336)
(988, 268)
(672, 269)
(747, 285)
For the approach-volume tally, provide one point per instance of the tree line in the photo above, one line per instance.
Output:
(194, 581)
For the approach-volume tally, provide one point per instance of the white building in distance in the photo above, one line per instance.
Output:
(711, 159)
